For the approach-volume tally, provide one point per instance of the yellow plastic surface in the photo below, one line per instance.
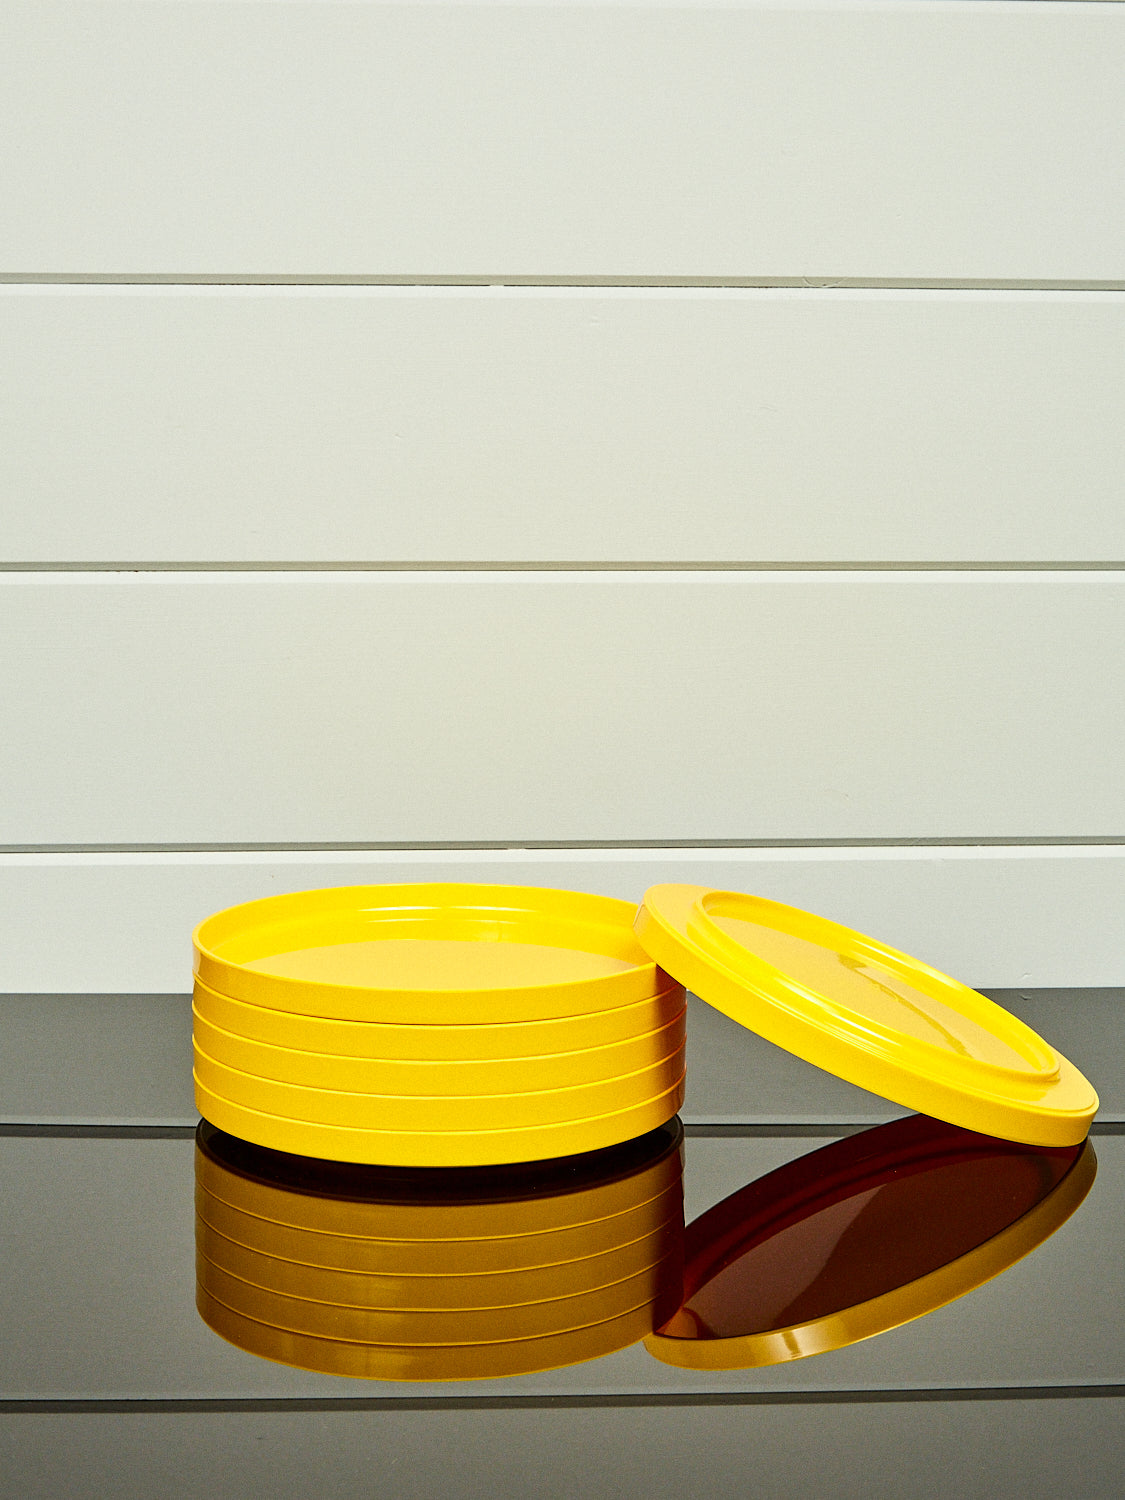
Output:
(421, 1362)
(302, 1314)
(867, 1013)
(435, 1148)
(357, 1287)
(657, 1222)
(421, 954)
(894, 1308)
(435, 1043)
(470, 1077)
(475, 1112)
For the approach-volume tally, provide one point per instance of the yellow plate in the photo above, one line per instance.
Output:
(419, 1362)
(863, 1236)
(416, 1292)
(418, 954)
(423, 1205)
(367, 1075)
(441, 1043)
(657, 1223)
(867, 1013)
(477, 1112)
(650, 1288)
(433, 1148)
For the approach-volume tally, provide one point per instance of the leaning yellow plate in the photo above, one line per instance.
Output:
(867, 1013)
(428, 953)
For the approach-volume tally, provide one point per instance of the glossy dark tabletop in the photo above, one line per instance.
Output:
(100, 1323)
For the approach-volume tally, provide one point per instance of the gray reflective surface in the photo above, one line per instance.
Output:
(97, 1288)
(934, 1450)
(134, 1050)
(96, 1307)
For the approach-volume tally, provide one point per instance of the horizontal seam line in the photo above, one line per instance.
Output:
(807, 282)
(1041, 565)
(155, 1405)
(1006, 841)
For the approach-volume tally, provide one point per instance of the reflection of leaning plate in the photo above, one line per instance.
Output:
(419, 1362)
(484, 1325)
(330, 1198)
(475, 1112)
(441, 953)
(460, 1043)
(656, 1222)
(860, 1237)
(435, 1148)
(366, 1075)
(357, 1287)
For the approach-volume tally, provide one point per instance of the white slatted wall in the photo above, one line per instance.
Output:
(569, 444)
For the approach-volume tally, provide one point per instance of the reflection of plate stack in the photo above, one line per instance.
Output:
(434, 1026)
(434, 1275)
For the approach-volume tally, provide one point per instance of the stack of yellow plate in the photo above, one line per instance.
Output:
(434, 1025)
(437, 1275)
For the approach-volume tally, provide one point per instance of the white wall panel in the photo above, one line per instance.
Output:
(916, 140)
(1016, 917)
(357, 424)
(466, 707)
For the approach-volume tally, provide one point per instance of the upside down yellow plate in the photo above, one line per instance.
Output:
(443, 1113)
(436, 1148)
(463, 1044)
(472, 1076)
